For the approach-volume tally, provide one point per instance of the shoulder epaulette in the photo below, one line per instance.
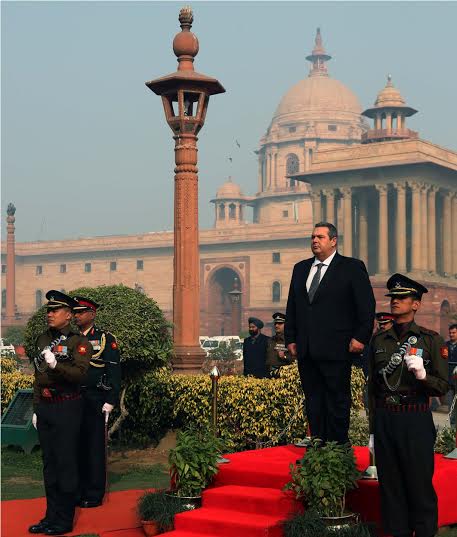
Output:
(428, 331)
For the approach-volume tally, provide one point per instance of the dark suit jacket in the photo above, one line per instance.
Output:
(255, 356)
(343, 308)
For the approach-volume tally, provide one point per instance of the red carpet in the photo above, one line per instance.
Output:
(246, 500)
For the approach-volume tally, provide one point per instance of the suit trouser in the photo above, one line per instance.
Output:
(58, 426)
(327, 388)
(92, 450)
(403, 443)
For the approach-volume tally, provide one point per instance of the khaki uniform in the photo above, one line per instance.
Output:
(274, 361)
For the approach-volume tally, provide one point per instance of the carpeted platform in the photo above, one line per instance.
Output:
(246, 500)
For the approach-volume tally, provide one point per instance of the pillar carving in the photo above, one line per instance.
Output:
(454, 233)
(363, 227)
(415, 226)
(316, 199)
(431, 229)
(10, 305)
(400, 228)
(447, 230)
(347, 220)
(383, 230)
(424, 225)
(329, 194)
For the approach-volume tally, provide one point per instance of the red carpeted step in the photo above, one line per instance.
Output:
(137, 532)
(226, 523)
(179, 533)
(251, 500)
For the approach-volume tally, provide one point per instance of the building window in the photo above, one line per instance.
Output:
(276, 257)
(139, 264)
(276, 292)
(292, 129)
(63, 268)
(39, 270)
(285, 214)
(232, 211)
(221, 211)
(332, 128)
(113, 266)
(87, 267)
(292, 164)
(38, 298)
(3, 298)
(3, 269)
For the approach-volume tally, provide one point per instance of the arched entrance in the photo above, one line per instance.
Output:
(445, 315)
(224, 303)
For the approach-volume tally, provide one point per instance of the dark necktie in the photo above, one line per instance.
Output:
(315, 282)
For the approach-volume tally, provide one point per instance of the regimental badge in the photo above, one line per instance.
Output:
(412, 340)
(444, 352)
(82, 349)
(114, 345)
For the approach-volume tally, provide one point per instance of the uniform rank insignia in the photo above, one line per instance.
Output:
(416, 352)
(444, 352)
(379, 351)
(82, 349)
(114, 345)
(60, 349)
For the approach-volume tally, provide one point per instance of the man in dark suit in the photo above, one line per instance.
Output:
(330, 315)
(255, 350)
(452, 364)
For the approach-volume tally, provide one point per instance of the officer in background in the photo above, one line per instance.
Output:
(100, 395)
(255, 350)
(277, 353)
(384, 320)
(60, 367)
(452, 360)
(407, 365)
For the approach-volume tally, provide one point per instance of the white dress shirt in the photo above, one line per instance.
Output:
(313, 270)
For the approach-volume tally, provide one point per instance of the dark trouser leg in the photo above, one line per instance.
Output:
(313, 388)
(92, 451)
(337, 398)
(405, 461)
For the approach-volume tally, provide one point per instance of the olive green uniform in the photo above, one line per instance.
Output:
(274, 361)
(402, 424)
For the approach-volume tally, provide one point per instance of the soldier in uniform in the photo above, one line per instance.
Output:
(60, 367)
(100, 395)
(384, 321)
(277, 353)
(255, 350)
(407, 365)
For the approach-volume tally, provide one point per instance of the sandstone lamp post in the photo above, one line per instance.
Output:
(10, 309)
(185, 95)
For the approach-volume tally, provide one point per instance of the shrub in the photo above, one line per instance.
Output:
(359, 429)
(160, 507)
(445, 440)
(15, 335)
(11, 382)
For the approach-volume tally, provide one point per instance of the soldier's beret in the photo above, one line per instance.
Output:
(57, 299)
(279, 317)
(257, 322)
(84, 304)
(401, 286)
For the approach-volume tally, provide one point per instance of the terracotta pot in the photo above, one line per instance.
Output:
(337, 522)
(150, 527)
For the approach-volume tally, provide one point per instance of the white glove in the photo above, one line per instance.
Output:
(107, 408)
(49, 358)
(454, 372)
(416, 365)
(371, 444)
(34, 420)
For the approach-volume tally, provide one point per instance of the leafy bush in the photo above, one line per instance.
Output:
(307, 524)
(445, 440)
(11, 382)
(160, 507)
(324, 475)
(193, 462)
(15, 335)
(359, 429)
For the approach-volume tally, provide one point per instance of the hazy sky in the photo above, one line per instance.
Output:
(85, 147)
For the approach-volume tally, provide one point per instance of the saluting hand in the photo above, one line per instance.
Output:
(355, 346)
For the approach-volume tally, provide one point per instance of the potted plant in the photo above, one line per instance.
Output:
(157, 511)
(324, 475)
(193, 464)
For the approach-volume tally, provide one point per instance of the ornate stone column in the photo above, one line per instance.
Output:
(424, 224)
(10, 305)
(347, 220)
(431, 230)
(317, 205)
(416, 238)
(383, 230)
(363, 227)
(276, 169)
(454, 233)
(447, 231)
(400, 228)
(329, 194)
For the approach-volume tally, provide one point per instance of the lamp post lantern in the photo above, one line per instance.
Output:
(185, 95)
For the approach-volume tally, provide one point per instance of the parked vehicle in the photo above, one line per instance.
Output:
(213, 343)
(6, 350)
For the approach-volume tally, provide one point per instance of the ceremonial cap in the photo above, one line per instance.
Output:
(257, 322)
(57, 299)
(279, 317)
(401, 286)
(384, 317)
(84, 304)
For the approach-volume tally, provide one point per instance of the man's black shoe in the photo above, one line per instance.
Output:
(90, 503)
(57, 530)
(40, 527)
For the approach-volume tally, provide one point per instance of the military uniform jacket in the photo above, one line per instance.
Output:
(73, 353)
(427, 343)
(104, 377)
(452, 360)
(275, 344)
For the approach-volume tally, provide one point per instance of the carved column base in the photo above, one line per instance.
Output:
(188, 360)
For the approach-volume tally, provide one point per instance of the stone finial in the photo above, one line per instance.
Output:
(318, 57)
(11, 209)
(185, 43)
(389, 81)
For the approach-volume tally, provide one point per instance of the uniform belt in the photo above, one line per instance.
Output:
(403, 403)
(51, 395)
